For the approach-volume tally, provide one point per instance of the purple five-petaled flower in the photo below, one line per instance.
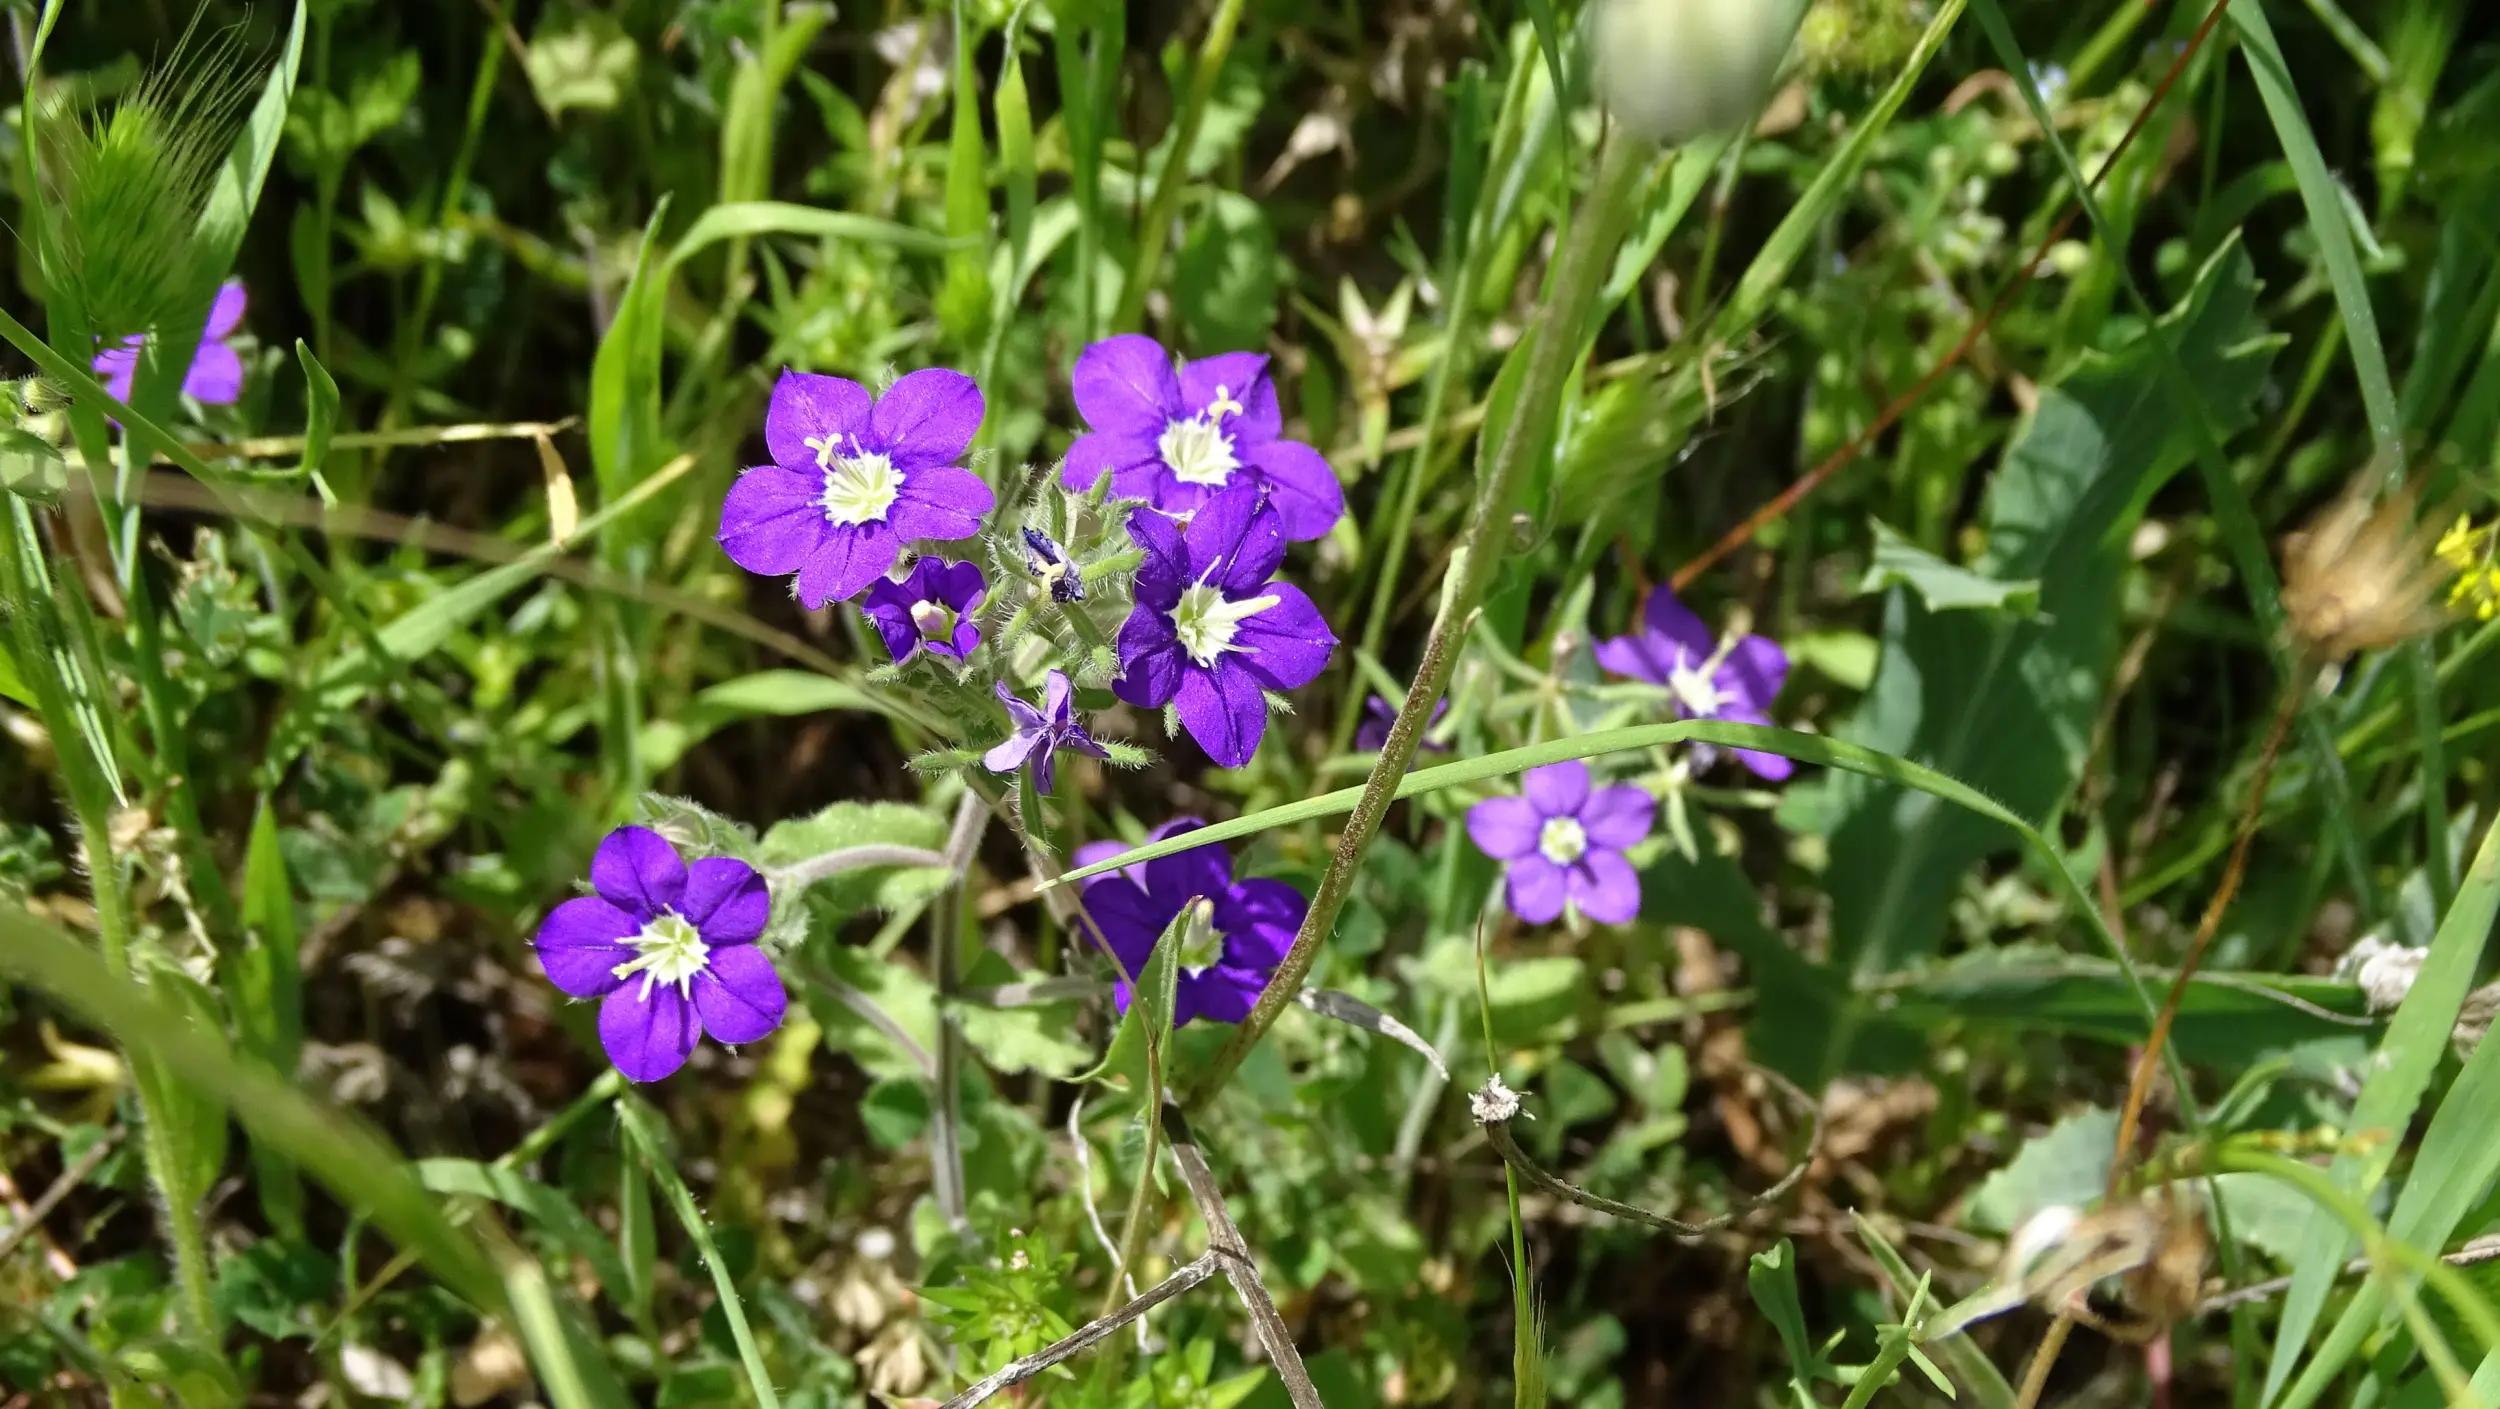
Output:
(1042, 732)
(668, 948)
(855, 477)
(1733, 679)
(1380, 714)
(215, 376)
(1254, 924)
(1210, 632)
(1562, 844)
(931, 609)
(1177, 440)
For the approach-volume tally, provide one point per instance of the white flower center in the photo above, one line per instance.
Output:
(1198, 450)
(1206, 620)
(860, 487)
(1696, 687)
(1563, 840)
(1202, 948)
(669, 950)
(936, 620)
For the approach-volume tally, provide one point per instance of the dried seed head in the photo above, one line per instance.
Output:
(2360, 577)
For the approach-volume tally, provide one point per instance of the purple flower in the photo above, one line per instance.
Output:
(1048, 562)
(216, 374)
(1563, 844)
(1733, 679)
(1254, 924)
(1210, 632)
(669, 949)
(854, 478)
(1041, 732)
(1380, 713)
(1178, 440)
(931, 608)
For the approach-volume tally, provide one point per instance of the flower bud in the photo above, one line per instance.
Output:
(1671, 69)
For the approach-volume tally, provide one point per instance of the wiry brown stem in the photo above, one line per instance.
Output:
(1224, 1242)
(2140, 1085)
(1085, 1337)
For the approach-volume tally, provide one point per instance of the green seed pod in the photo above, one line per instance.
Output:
(1672, 69)
(126, 182)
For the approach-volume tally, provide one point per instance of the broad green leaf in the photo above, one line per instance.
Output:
(2007, 705)
(1942, 586)
(268, 996)
(2066, 1164)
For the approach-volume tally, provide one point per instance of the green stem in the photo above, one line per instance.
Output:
(1527, 431)
(1167, 188)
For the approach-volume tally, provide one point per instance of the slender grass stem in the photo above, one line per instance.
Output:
(1559, 338)
(1165, 200)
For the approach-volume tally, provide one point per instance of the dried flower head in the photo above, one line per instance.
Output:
(128, 181)
(2362, 577)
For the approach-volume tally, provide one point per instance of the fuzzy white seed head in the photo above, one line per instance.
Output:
(1672, 69)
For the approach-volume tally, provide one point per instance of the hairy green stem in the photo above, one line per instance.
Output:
(947, 941)
(1571, 291)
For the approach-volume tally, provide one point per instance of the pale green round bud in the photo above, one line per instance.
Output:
(1672, 69)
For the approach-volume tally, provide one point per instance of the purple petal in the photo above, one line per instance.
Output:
(1151, 660)
(1236, 541)
(580, 945)
(1558, 789)
(1605, 888)
(1536, 889)
(1286, 646)
(638, 872)
(647, 1036)
(1755, 670)
(726, 901)
(958, 585)
(1165, 572)
(1243, 377)
(847, 559)
(216, 375)
(118, 366)
(1667, 617)
(772, 520)
(927, 419)
(1770, 767)
(1637, 656)
(1124, 384)
(1259, 919)
(1222, 709)
(1304, 490)
(1618, 817)
(739, 996)
(940, 502)
(1010, 755)
(887, 604)
(1130, 920)
(1154, 482)
(1505, 828)
(806, 406)
(1223, 993)
(1200, 873)
(1058, 700)
(225, 312)
(1027, 719)
(1098, 454)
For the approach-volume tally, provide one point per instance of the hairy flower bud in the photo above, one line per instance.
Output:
(1672, 69)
